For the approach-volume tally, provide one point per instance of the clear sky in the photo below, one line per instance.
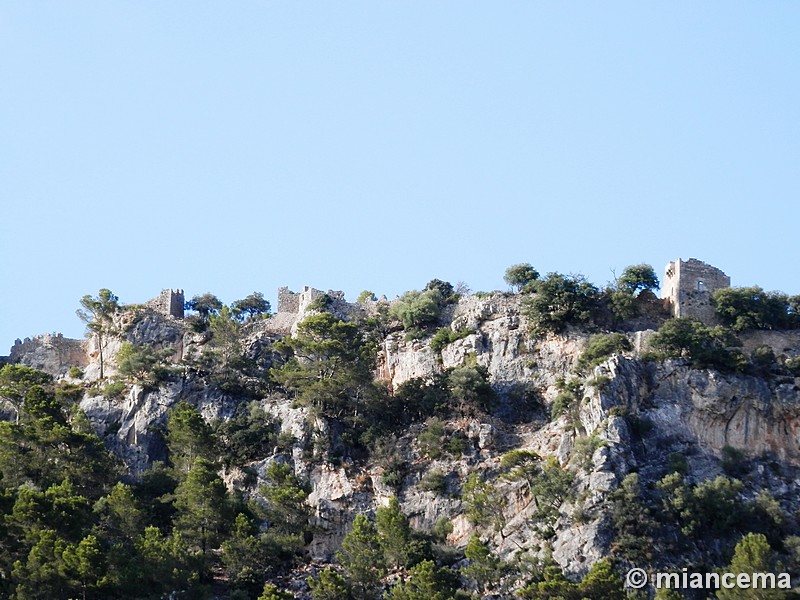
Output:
(239, 147)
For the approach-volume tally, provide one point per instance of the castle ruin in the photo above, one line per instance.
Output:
(169, 303)
(55, 354)
(688, 285)
(297, 302)
(51, 352)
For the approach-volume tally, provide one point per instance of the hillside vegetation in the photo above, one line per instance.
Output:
(532, 444)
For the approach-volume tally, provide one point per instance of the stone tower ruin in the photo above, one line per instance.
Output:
(688, 285)
(169, 303)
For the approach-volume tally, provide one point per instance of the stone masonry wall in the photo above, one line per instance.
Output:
(52, 353)
(689, 284)
(288, 301)
(169, 303)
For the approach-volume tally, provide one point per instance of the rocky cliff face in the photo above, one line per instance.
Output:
(692, 412)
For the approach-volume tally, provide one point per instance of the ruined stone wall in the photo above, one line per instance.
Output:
(52, 353)
(297, 302)
(288, 301)
(293, 306)
(688, 286)
(169, 303)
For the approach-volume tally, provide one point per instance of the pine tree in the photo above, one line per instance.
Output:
(330, 586)
(243, 555)
(271, 592)
(362, 558)
(188, 437)
(752, 554)
(86, 564)
(394, 533)
(200, 501)
(425, 582)
(98, 313)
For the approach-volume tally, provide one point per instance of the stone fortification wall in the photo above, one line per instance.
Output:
(288, 301)
(298, 302)
(52, 353)
(169, 303)
(688, 285)
(293, 306)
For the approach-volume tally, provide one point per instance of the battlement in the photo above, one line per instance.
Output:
(169, 303)
(688, 286)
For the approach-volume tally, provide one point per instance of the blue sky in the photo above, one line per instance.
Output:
(363, 145)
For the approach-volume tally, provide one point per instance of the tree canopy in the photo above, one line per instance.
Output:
(519, 276)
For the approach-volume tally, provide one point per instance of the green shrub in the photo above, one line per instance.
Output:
(366, 296)
(445, 289)
(712, 506)
(551, 488)
(520, 464)
(561, 404)
(430, 439)
(68, 394)
(392, 478)
(456, 444)
(516, 458)
(704, 347)
(135, 361)
(763, 359)
(285, 440)
(677, 463)
(753, 308)
(600, 382)
(484, 504)
(75, 372)
(444, 527)
(633, 522)
(418, 309)
(618, 411)
(246, 437)
(623, 304)
(622, 296)
(469, 388)
(558, 301)
(250, 308)
(584, 449)
(447, 335)
(113, 389)
(321, 303)
(600, 347)
(434, 481)
(569, 394)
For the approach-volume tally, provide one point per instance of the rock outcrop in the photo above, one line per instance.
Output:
(694, 412)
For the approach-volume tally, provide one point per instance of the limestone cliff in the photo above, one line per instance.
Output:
(696, 413)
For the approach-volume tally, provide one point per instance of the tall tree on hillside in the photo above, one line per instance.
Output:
(519, 276)
(205, 305)
(250, 307)
(200, 501)
(362, 558)
(188, 437)
(98, 313)
(329, 366)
